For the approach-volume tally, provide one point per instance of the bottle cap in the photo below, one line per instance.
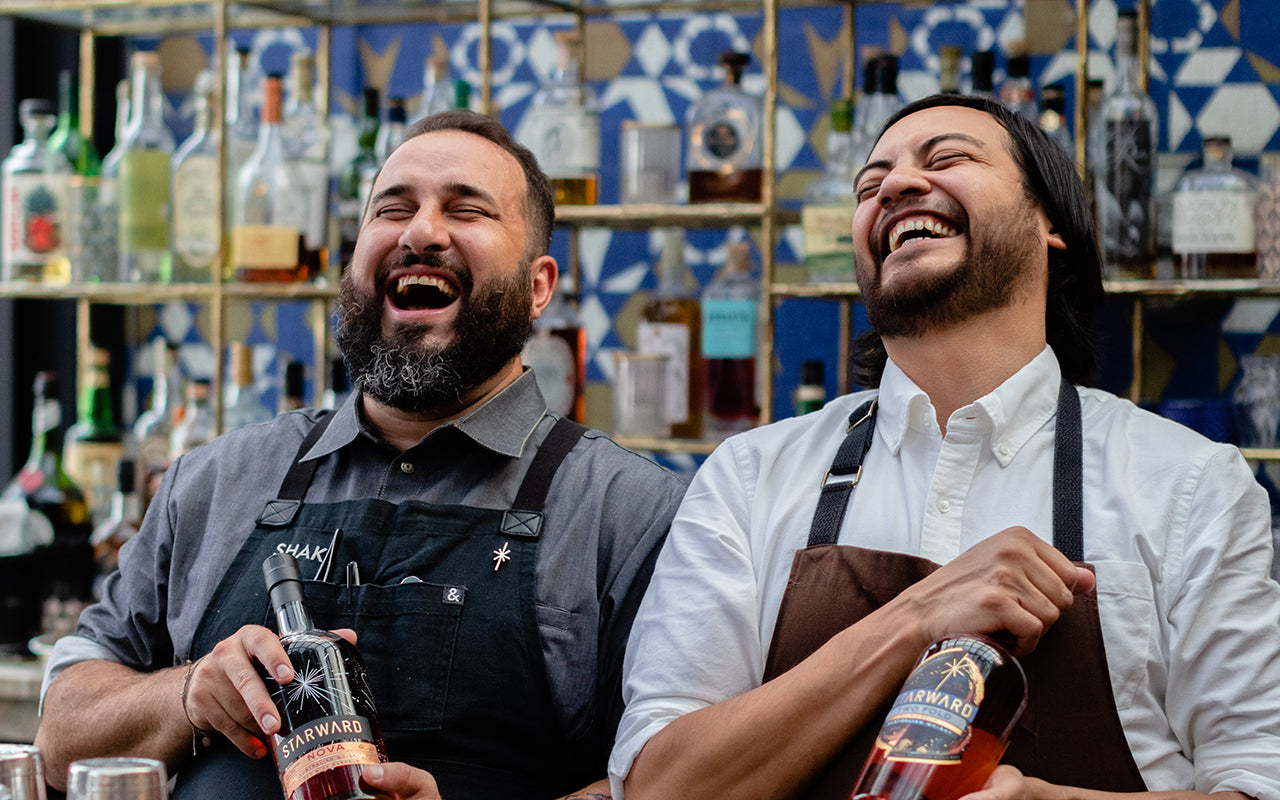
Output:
(283, 578)
(1054, 98)
(395, 109)
(1018, 66)
(294, 378)
(886, 75)
(371, 98)
(812, 373)
(983, 66)
(33, 106)
(126, 475)
(46, 384)
(738, 258)
(338, 375)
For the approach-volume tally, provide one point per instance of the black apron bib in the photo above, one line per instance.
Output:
(439, 586)
(1070, 733)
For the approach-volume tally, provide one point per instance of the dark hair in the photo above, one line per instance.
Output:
(1075, 274)
(539, 202)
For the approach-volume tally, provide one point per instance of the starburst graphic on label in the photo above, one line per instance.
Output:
(310, 684)
(502, 556)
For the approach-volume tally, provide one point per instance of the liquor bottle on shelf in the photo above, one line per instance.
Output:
(1268, 217)
(196, 427)
(81, 155)
(672, 327)
(949, 57)
(725, 140)
(98, 259)
(65, 560)
(982, 68)
(827, 214)
(562, 128)
(197, 236)
(1122, 142)
(1017, 92)
(462, 94)
(269, 212)
(241, 122)
(35, 202)
(437, 92)
(143, 187)
(120, 525)
(338, 387)
(307, 145)
(949, 725)
(356, 177)
(878, 105)
(557, 352)
(730, 313)
(293, 387)
(328, 721)
(391, 132)
(811, 392)
(94, 444)
(244, 406)
(1214, 217)
(153, 428)
(1053, 116)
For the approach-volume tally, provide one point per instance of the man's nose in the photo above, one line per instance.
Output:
(903, 180)
(427, 230)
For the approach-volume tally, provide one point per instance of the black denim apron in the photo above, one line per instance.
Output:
(445, 614)
(1070, 733)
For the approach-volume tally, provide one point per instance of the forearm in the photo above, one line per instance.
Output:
(596, 791)
(99, 708)
(771, 741)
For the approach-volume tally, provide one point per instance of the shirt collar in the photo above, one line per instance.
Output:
(503, 423)
(1011, 414)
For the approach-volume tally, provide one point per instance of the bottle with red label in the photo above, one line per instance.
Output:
(328, 723)
(949, 724)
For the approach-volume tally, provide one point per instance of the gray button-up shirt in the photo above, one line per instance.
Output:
(606, 514)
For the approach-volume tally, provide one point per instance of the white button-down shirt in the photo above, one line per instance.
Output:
(1177, 528)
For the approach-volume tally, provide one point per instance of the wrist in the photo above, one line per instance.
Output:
(199, 736)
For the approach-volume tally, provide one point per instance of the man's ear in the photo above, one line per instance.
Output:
(1055, 241)
(543, 273)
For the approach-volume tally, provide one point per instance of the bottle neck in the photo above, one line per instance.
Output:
(148, 103)
(292, 618)
(46, 439)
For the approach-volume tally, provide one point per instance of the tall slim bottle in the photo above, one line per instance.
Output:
(437, 91)
(197, 236)
(392, 131)
(672, 327)
(94, 445)
(102, 261)
(81, 155)
(880, 103)
(725, 140)
(143, 187)
(1018, 93)
(153, 427)
(730, 314)
(240, 112)
(827, 214)
(243, 406)
(328, 721)
(307, 145)
(35, 202)
(557, 352)
(268, 216)
(1122, 142)
(562, 127)
(949, 725)
(356, 176)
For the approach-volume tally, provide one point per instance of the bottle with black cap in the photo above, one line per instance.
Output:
(293, 391)
(982, 68)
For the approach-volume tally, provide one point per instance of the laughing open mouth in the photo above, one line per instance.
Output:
(422, 291)
(919, 228)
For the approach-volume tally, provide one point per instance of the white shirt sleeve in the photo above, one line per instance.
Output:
(698, 624)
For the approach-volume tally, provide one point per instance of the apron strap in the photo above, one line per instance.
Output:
(1068, 476)
(279, 513)
(525, 517)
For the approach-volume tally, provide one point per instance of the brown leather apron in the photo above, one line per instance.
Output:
(1070, 733)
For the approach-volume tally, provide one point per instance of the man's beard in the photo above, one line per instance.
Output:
(986, 278)
(400, 370)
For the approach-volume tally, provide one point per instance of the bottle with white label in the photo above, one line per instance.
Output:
(827, 214)
(557, 353)
(562, 127)
(143, 187)
(730, 313)
(1213, 217)
(672, 327)
(35, 180)
(196, 188)
(307, 144)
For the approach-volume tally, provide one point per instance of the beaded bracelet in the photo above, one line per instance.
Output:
(197, 734)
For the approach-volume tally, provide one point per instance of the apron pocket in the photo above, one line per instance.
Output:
(406, 634)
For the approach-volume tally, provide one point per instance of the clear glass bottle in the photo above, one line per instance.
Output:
(730, 314)
(196, 426)
(827, 214)
(329, 727)
(269, 212)
(881, 102)
(1017, 92)
(1122, 142)
(94, 444)
(240, 111)
(153, 428)
(99, 258)
(725, 140)
(1268, 217)
(35, 201)
(119, 526)
(557, 353)
(307, 145)
(949, 58)
(143, 187)
(672, 327)
(197, 235)
(1214, 223)
(356, 175)
(66, 138)
(391, 132)
(562, 128)
(244, 406)
(437, 92)
(1053, 116)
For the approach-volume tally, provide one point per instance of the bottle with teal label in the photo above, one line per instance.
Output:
(730, 314)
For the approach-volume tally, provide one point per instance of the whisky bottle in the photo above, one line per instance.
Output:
(328, 723)
(1122, 143)
(557, 353)
(725, 139)
(949, 725)
(672, 327)
(270, 204)
(35, 202)
(827, 214)
(730, 314)
(562, 128)
(143, 187)
(197, 192)
(1214, 217)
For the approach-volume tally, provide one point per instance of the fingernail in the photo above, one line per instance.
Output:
(260, 752)
(374, 773)
(282, 671)
(268, 723)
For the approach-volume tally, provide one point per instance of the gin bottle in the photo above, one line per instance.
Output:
(35, 202)
(98, 258)
(197, 235)
(879, 104)
(1122, 144)
(1214, 210)
(437, 92)
(827, 214)
(143, 188)
(725, 139)
(562, 128)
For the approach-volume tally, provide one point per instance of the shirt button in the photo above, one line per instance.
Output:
(944, 505)
(406, 467)
(1002, 449)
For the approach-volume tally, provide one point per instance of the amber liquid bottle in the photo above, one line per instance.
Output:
(328, 724)
(672, 327)
(949, 725)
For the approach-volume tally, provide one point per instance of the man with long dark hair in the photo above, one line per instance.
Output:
(493, 553)
(979, 488)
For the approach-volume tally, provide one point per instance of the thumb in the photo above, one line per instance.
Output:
(1084, 583)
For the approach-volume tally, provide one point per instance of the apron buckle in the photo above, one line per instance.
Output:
(851, 480)
(871, 412)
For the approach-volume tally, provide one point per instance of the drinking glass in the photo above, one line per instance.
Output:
(21, 773)
(117, 779)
